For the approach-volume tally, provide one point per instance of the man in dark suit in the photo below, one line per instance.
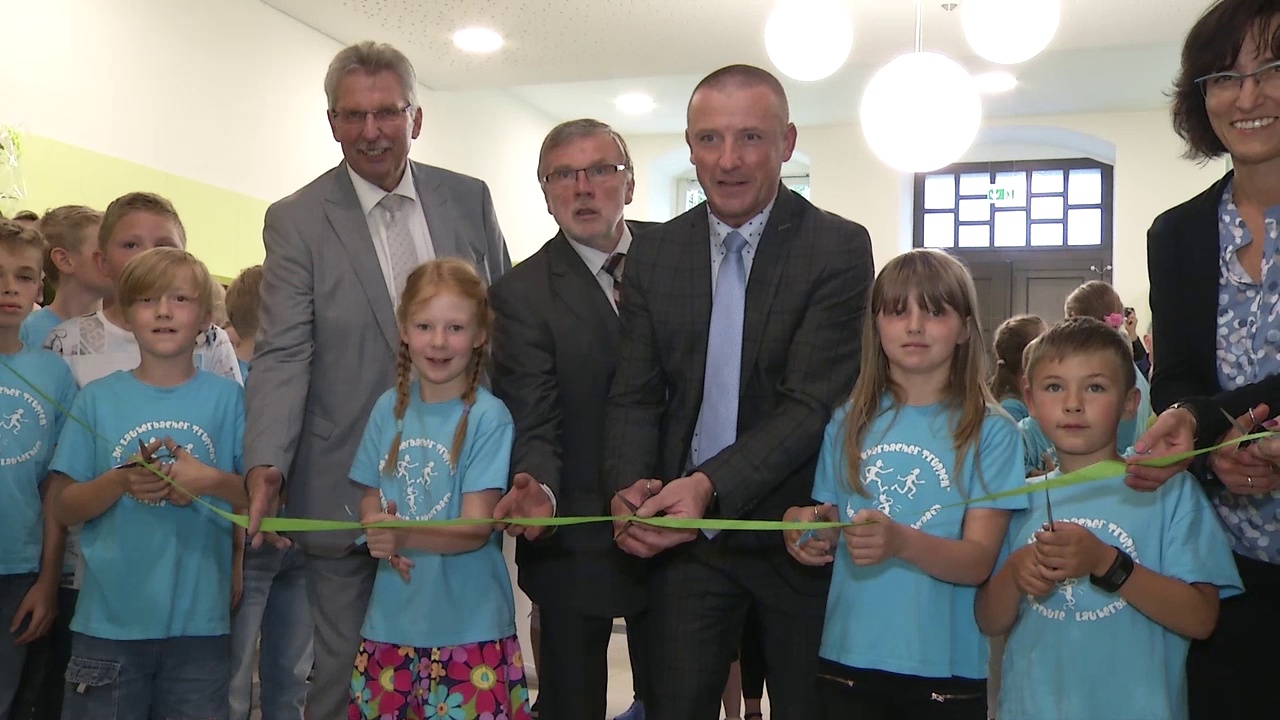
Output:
(741, 326)
(554, 350)
(338, 253)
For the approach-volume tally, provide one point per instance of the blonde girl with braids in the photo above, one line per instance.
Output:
(920, 434)
(439, 637)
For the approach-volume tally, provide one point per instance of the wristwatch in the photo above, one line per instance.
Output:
(1115, 577)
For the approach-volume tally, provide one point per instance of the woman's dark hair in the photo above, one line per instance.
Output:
(1212, 46)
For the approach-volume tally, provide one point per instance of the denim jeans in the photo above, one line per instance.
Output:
(273, 606)
(182, 678)
(13, 588)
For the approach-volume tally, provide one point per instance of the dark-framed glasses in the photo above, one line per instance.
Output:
(594, 174)
(1231, 83)
(381, 116)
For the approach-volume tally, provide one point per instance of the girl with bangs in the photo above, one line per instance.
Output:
(920, 434)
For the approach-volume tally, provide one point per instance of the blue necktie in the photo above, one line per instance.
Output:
(717, 426)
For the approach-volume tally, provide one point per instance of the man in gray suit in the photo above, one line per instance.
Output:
(338, 252)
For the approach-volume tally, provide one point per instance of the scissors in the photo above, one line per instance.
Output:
(1048, 510)
(1257, 427)
(632, 507)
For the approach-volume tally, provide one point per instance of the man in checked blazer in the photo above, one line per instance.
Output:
(555, 345)
(807, 274)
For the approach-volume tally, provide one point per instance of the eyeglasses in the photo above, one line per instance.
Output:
(594, 174)
(381, 116)
(1230, 83)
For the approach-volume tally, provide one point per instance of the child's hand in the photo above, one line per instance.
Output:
(186, 472)
(1047, 465)
(1071, 551)
(38, 609)
(139, 481)
(1027, 574)
(237, 585)
(873, 538)
(384, 543)
(819, 546)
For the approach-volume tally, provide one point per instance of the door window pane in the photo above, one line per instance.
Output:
(1046, 234)
(1011, 228)
(939, 230)
(975, 184)
(1046, 208)
(975, 210)
(975, 236)
(1085, 187)
(1084, 227)
(1046, 181)
(939, 192)
(1011, 189)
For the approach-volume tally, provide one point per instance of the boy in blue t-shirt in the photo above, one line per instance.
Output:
(35, 390)
(1100, 606)
(153, 618)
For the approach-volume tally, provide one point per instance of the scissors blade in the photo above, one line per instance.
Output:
(1048, 509)
(630, 506)
(1240, 428)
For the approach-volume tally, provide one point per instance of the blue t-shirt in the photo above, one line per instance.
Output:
(31, 419)
(154, 571)
(37, 327)
(893, 616)
(1015, 407)
(244, 368)
(450, 599)
(1084, 653)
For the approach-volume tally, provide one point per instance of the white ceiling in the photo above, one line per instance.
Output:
(570, 58)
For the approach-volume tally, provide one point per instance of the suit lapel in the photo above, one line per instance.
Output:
(342, 208)
(695, 267)
(766, 273)
(442, 215)
(571, 281)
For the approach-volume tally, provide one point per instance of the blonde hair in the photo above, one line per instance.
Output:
(1009, 341)
(64, 228)
(1095, 299)
(244, 302)
(430, 279)
(157, 270)
(133, 202)
(15, 237)
(935, 280)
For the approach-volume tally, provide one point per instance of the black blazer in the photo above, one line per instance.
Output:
(555, 346)
(1183, 269)
(802, 329)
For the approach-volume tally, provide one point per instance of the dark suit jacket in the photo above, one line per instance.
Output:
(801, 338)
(1183, 268)
(555, 346)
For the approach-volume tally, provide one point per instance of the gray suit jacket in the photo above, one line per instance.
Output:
(326, 348)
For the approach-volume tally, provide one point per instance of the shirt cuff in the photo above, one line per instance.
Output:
(551, 495)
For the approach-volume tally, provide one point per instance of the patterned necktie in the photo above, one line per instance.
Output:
(614, 266)
(718, 419)
(402, 254)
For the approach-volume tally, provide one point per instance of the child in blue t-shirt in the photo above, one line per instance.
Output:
(35, 390)
(1100, 607)
(441, 621)
(152, 622)
(1011, 338)
(920, 436)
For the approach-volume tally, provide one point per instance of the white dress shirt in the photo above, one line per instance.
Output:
(378, 217)
(596, 259)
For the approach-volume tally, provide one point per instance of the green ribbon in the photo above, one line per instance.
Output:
(1093, 473)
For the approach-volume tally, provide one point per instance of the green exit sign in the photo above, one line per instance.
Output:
(999, 194)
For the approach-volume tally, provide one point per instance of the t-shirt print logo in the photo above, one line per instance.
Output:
(20, 416)
(1074, 599)
(418, 462)
(894, 473)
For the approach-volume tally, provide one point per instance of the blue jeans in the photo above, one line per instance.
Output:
(13, 588)
(182, 678)
(274, 604)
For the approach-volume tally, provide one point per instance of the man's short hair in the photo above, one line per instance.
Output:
(133, 202)
(371, 58)
(1081, 336)
(738, 77)
(244, 302)
(27, 216)
(567, 132)
(64, 229)
(19, 238)
(155, 272)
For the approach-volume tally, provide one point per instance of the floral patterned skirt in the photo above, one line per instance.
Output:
(479, 681)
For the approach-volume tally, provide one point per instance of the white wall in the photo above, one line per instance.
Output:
(846, 178)
(231, 93)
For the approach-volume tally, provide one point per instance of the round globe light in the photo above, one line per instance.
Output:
(1009, 31)
(809, 39)
(634, 103)
(920, 112)
(477, 40)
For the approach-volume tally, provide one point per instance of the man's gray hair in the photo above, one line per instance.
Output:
(370, 57)
(567, 132)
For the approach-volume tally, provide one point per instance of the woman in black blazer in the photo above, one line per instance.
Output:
(1215, 309)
